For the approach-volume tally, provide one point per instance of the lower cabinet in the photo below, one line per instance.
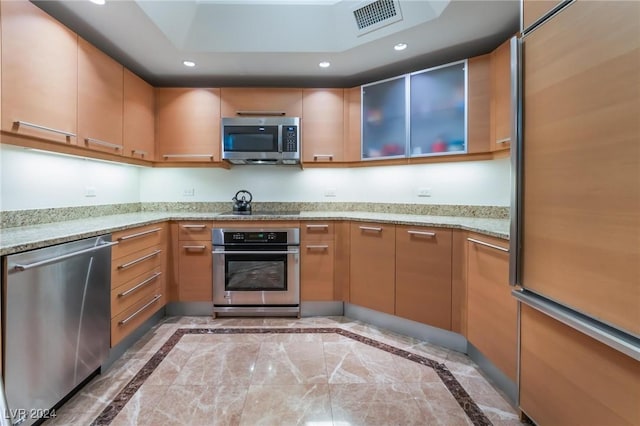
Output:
(372, 266)
(423, 275)
(491, 309)
(138, 267)
(195, 272)
(317, 254)
(567, 377)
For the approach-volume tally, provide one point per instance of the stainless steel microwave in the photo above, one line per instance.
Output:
(261, 140)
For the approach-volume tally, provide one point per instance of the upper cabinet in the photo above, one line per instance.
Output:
(501, 110)
(384, 119)
(100, 99)
(250, 101)
(479, 104)
(139, 117)
(438, 110)
(352, 123)
(187, 125)
(39, 74)
(322, 125)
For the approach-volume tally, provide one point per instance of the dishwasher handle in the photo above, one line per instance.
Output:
(20, 267)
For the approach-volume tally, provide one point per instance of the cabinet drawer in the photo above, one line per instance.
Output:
(194, 231)
(141, 287)
(128, 267)
(132, 318)
(316, 231)
(136, 239)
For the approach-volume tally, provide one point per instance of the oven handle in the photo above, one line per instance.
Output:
(255, 252)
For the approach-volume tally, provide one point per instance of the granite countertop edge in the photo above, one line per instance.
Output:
(19, 239)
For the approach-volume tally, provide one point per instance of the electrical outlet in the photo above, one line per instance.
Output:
(330, 192)
(189, 192)
(423, 192)
(90, 191)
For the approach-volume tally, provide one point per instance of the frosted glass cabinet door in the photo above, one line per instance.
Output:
(384, 119)
(438, 103)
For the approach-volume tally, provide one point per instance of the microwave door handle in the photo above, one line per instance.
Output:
(280, 138)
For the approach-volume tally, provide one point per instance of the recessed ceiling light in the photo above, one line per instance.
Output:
(98, 2)
(189, 63)
(400, 46)
(324, 64)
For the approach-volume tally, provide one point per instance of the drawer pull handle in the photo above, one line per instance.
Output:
(136, 313)
(317, 226)
(194, 247)
(493, 246)
(141, 259)
(167, 156)
(370, 228)
(139, 234)
(320, 156)
(194, 226)
(142, 284)
(103, 143)
(46, 129)
(139, 152)
(318, 247)
(505, 140)
(423, 233)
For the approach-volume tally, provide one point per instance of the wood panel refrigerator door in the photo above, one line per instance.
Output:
(39, 73)
(581, 171)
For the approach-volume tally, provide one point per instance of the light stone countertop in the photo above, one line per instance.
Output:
(18, 239)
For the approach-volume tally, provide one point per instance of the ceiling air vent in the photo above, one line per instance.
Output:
(376, 14)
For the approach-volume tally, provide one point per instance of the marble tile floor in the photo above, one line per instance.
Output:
(317, 371)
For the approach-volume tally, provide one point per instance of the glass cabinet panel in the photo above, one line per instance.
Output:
(384, 131)
(438, 110)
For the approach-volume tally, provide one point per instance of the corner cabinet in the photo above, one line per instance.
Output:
(372, 266)
(39, 74)
(187, 125)
(501, 108)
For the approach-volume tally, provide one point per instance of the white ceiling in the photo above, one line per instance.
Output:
(281, 42)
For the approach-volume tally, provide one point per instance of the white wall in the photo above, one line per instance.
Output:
(34, 179)
(470, 183)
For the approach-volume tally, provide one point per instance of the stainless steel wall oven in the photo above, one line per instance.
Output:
(256, 271)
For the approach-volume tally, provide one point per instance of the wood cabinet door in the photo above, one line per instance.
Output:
(532, 10)
(195, 272)
(352, 124)
(423, 275)
(239, 101)
(501, 97)
(316, 271)
(322, 125)
(479, 104)
(372, 266)
(567, 377)
(187, 125)
(138, 117)
(581, 171)
(39, 73)
(100, 99)
(492, 312)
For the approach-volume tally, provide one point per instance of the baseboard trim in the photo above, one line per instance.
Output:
(495, 375)
(318, 309)
(190, 308)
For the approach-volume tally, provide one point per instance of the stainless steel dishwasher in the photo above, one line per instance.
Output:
(56, 324)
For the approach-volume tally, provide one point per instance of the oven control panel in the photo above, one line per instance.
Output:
(255, 237)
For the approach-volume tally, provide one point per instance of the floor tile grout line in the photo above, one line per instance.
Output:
(471, 409)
